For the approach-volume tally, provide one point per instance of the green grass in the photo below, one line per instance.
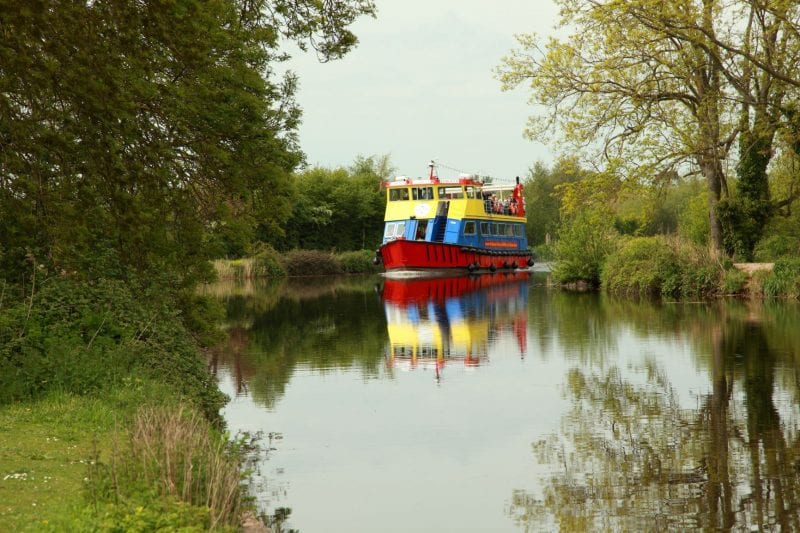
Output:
(45, 447)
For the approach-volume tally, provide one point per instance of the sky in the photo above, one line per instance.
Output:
(421, 85)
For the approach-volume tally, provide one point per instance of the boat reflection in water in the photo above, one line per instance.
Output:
(433, 322)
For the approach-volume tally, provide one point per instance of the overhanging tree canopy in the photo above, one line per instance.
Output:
(133, 132)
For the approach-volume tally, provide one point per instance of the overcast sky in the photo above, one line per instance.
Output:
(420, 86)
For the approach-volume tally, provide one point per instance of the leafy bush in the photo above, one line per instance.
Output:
(267, 263)
(660, 266)
(734, 281)
(640, 266)
(583, 245)
(784, 280)
(310, 263)
(144, 513)
(544, 252)
(358, 262)
(83, 337)
(757, 281)
(693, 223)
(775, 247)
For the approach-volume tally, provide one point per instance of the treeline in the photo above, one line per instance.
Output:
(645, 238)
(644, 92)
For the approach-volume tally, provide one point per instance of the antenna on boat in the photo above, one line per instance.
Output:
(432, 175)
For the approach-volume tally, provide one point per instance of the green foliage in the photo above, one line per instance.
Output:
(174, 463)
(582, 247)
(542, 198)
(337, 208)
(784, 280)
(734, 281)
(743, 221)
(775, 247)
(146, 512)
(143, 138)
(693, 221)
(88, 337)
(311, 263)
(544, 252)
(640, 266)
(358, 262)
(660, 266)
(267, 263)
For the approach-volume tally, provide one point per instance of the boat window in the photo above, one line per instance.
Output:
(469, 227)
(401, 229)
(391, 230)
(472, 192)
(519, 230)
(451, 192)
(485, 229)
(422, 193)
(501, 229)
(398, 194)
(494, 229)
(509, 230)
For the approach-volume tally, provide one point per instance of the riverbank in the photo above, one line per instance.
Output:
(109, 416)
(268, 263)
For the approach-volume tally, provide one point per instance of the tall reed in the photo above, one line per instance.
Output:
(174, 451)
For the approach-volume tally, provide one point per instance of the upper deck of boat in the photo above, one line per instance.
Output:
(465, 198)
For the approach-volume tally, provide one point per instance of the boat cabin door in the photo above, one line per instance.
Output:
(440, 222)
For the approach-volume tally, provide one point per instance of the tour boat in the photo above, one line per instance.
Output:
(462, 224)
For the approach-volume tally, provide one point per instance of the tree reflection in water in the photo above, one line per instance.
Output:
(631, 457)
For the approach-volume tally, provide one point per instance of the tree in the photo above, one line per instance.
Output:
(137, 136)
(542, 197)
(654, 87)
(337, 208)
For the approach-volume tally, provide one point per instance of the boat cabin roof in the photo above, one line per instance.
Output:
(405, 181)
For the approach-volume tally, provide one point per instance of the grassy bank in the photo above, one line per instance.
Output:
(268, 263)
(109, 419)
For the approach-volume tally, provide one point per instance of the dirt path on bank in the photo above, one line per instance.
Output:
(753, 267)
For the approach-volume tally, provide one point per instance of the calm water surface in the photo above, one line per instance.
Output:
(496, 404)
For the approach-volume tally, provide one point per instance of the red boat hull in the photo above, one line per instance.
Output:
(424, 255)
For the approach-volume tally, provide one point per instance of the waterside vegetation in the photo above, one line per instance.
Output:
(674, 118)
(140, 141)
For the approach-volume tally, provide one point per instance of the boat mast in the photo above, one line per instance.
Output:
(432, 175)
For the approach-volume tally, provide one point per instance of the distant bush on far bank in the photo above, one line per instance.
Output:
(661, 266)
(784, 281)
(268, 263)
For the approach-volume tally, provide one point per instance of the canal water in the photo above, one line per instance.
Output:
(495, 403)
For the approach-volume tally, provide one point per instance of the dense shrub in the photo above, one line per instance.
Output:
(693, 221)
(544, 253)
(310, 263)
(784, 280)
(267, 263)
(775, 247)
(582, 247)
(661, 266)
(86, 337)
(734, 281)
(358, 262)
(640, 266)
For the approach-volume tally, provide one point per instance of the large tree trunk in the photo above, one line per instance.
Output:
(714, 180)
